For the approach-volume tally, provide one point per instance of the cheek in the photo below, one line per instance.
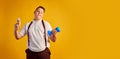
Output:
(41, 14)
(35, 13)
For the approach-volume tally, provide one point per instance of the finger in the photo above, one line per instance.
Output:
(17, 25)
(54, 31)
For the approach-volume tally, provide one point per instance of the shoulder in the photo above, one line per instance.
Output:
(46, 23)
(28, 24)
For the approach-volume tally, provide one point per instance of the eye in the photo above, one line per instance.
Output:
(41, 12)
(38, 11)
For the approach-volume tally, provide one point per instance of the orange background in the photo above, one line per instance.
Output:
(89, 28)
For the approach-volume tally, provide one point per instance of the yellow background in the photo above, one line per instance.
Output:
(89, 28)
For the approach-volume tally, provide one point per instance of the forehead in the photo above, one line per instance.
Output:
(39, 9)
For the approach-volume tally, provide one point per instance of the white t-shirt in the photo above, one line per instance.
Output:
(36, 35)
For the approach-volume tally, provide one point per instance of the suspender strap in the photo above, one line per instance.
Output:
(28, 33)
(44, 33)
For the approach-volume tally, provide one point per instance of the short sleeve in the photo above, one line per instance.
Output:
(23, 31)
(48, 27)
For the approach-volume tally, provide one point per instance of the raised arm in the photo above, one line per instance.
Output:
(16, 29)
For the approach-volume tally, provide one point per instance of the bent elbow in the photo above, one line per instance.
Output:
(54, 40)
(17, 38)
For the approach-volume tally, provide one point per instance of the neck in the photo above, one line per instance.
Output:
(37, 19)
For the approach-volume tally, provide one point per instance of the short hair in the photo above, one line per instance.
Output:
(40, 7)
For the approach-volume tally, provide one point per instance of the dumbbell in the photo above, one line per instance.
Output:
(50, 32)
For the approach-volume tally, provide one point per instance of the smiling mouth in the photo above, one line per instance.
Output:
(38, 15)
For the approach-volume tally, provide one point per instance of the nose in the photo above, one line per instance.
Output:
(38, 13)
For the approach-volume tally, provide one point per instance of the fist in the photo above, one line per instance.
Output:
(17, 25)
(54, 31)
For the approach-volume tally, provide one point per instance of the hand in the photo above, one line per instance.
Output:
(53, 36)
(17, 25)
(54, 31)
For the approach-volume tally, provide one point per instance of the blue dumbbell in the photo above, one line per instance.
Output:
(57, 29)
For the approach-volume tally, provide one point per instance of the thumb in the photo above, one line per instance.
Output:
(18, 21)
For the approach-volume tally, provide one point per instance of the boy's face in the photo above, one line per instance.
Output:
(38, 14)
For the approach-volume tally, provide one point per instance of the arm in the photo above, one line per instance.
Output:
(16, 31)
(17, 35)
(53, 36)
